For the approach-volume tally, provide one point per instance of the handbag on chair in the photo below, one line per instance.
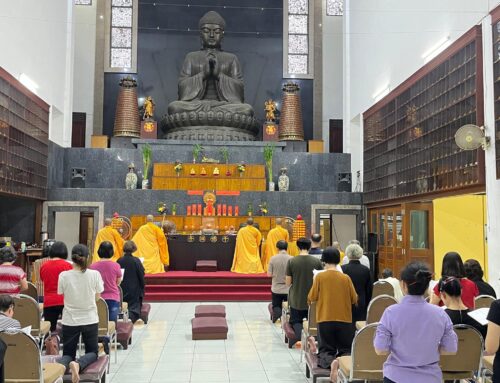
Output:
(52, 345)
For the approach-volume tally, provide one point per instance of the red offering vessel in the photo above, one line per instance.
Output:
(236, 211)
(224, 209)
(199, 209)
(219, 209)
(188, 210)
(230, 210)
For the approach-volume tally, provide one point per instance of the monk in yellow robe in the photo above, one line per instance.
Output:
(246, 254)
(152, 247)
(108, 233)
(279, 233)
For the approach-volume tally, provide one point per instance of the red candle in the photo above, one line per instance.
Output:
(199, 209)
(219, 209)
(236, 211)
(193, 209)
(224, 209)
(189, 210)
(229, 210)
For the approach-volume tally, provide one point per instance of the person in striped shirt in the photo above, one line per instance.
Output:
(6, 312)
(12, 278)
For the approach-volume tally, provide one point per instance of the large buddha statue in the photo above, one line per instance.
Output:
(211, 92)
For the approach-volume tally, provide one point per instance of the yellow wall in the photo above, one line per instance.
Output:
(459, 226)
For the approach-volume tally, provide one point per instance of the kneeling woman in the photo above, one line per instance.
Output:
(414, 319)
(81, 289)
(334, 295)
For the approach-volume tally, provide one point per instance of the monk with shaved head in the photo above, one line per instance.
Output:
(108, 233)
(151, 246)
(247, 252)
(279, 233)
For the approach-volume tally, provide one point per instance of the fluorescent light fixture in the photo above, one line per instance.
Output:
(28, 82)
(440, 46)
(381, 93)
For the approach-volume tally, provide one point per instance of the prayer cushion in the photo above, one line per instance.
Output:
(209, 328)
(94, 372)
(313, 369)
(210, 311)
(145, 309)
(204, 266)
(124, 333)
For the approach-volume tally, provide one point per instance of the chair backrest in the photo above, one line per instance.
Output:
(37, 265)
(32, 291)
(22, 358)
(377, 307)
(27, 312)
(366, 364)
(382, 288)
(311, 319)
(483, 301)
(103, 313)
(469, 353)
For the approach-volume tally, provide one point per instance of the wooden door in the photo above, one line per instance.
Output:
(419, 233)
(87, 229)
(78, 130)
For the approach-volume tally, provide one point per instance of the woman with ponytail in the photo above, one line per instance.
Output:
(81, 289)
(414, 333)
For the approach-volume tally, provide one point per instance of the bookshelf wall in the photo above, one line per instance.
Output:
(24, 137)
(409, 146)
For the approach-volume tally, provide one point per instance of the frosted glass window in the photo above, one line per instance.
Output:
(83, 2)
(297, 24)
(121, 58)
(121, 17)
(121, 3)
(121, 37)
(298, 44)
(297, 64)
(334, 7)
(298, 7)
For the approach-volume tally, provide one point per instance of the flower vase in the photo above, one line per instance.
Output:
(241, 174)
(271, 186)
(283, 181)
(178, 174)
(145, 184)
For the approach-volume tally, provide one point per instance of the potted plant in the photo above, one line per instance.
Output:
(178, 167)
(224, 152)
(146, 161)
(268, 159)
(197, 149)
(241, 169)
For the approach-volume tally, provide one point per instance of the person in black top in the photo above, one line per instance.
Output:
(316, 245)
(493, 338)
(474, 272)
(451, 292)
(133, 281)
(361, 279)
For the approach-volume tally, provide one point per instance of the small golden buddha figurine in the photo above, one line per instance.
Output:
(203, 172)
(216, 171)
(192, 172)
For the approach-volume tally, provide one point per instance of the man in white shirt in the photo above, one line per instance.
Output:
(387, 277)
(277, 270)
(364, 260)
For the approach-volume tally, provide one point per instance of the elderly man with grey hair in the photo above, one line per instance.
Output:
(365, 261)
(361, 279)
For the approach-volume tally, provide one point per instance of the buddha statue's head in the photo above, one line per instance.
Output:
(212, 27)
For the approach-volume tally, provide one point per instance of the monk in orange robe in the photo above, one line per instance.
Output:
(246, 254)
(108, 233)
(152, 247)
(279, 233)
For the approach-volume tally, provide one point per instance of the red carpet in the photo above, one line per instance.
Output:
(217, 286)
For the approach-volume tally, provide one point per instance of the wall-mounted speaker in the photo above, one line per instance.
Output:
(344, 182)
(78, 177)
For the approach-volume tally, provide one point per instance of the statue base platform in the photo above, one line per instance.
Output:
(209, 133)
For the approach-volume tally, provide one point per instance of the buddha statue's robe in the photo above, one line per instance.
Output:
(225, 94)
(270, 249)
(246, 253)
(108, 233)
(152, 246)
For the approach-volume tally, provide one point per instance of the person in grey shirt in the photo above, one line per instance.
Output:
(7, 323)
(277, 270)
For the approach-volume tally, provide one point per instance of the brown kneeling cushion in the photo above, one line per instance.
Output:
(209, 328)
(145, 309)
(210, 311)
(206, 266)
(124, 333)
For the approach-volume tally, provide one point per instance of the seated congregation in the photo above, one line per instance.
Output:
(79, 303)
(397, 330)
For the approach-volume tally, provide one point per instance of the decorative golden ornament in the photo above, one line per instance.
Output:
(190, 238)
(213, 239)
(225, 239)
(202, 238)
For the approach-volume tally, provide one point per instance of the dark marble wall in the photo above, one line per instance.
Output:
(131, 202)
(17, 219)
(254, 32)
(55, 178)
(107, 168)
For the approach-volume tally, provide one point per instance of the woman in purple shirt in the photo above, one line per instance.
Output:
(414, 333)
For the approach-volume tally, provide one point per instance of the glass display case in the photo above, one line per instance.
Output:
(24, 136)
(409, 146)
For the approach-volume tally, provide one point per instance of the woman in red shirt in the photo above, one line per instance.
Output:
(53, 303)
(454, 267)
